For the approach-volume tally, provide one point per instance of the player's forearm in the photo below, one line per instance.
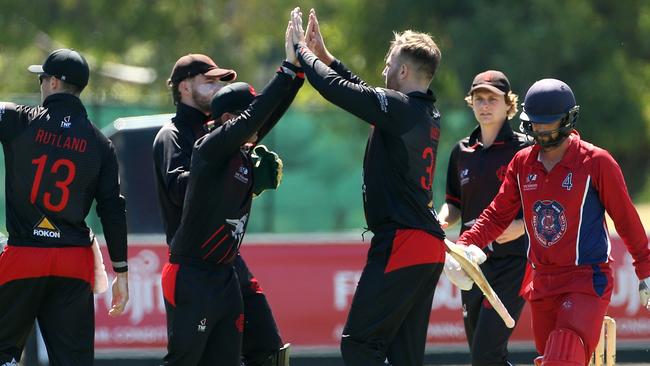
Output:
(490, 224)
(346, 73)
(112, 215)
(449, 214)
(281, 109)
(228, 138)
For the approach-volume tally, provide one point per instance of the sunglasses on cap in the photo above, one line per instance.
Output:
(42, 77)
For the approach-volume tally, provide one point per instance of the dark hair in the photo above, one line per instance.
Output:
(176, 94)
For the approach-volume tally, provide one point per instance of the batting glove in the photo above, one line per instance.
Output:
(475, 254)
(644, 292)
(267, 169)
(456, 275)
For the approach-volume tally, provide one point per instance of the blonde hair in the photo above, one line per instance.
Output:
(510, 98)
(419, 48)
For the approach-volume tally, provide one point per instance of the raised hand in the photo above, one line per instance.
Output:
(297, 33)
(314, 39)
(288, 45)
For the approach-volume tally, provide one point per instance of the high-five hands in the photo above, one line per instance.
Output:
(297, 33)
(314, 39)
(288, 45)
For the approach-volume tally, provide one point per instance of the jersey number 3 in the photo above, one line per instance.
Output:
(61, 185)
(426, 181)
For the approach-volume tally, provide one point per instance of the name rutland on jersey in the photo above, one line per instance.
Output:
(60, 141)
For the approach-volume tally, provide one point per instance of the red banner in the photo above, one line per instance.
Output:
(310, 286)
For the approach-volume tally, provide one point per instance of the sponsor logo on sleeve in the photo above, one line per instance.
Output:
(464, 176)
(383, 100)
(46, 229)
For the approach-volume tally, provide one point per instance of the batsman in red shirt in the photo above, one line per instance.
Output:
(564, 185)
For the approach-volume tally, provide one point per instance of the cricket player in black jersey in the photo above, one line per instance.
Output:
(203, 298)
(390, 310)
(477, 167)
(57, 162)
(194, 80)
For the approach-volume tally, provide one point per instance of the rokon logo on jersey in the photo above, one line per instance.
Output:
(549, 222)
(46, 229)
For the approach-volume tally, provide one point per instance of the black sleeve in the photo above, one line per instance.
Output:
(228, 137)
(14, 119)
(172, 157)
(378, 106)
(111, 209)
(284, 105)
(452, 195)
(342, 70)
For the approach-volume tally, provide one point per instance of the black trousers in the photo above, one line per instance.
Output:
(51, 285)
(486, 333)
(390, 310)
(205, 319)
(261, 336)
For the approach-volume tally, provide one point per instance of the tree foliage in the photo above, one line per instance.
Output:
(599, 47)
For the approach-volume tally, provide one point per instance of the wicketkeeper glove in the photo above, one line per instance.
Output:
(267, 170)
(456, 275)
(644, 292)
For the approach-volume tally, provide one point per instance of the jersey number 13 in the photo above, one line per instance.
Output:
(60, 186)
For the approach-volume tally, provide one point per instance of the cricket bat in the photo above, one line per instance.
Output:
(474, 272)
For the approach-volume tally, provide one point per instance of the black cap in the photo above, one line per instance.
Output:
(232, 98)
(194, 64)
(65, 64)
(547, 101)
(492, 80)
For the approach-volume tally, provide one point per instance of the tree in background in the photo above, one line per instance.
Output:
(597, 46)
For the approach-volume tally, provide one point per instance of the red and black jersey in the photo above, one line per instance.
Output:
(57, 162)
(217, 203)
(172, 154)
(564, 209)
(474, 175)
(399, 163)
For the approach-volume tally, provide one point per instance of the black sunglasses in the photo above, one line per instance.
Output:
(42, 77)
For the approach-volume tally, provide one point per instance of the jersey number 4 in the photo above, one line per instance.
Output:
(62, 185)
